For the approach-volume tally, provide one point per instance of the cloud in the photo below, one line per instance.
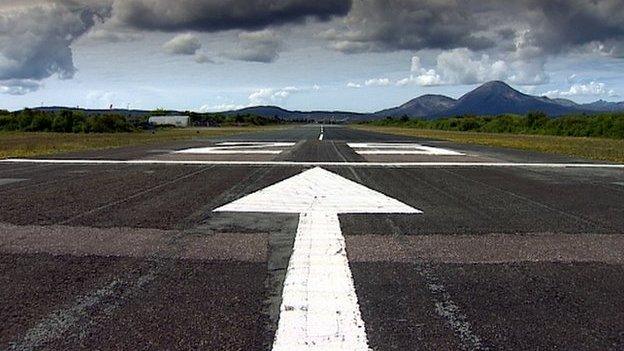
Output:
(265, 96)
(221, 107)
(218, 15)
(35, 39)
(527, 27)
(203, 58)
(261, 46)
(19, 86)
(183, 44)
(379, 82)
(381, 25)
(353, 85)
(593, 88)
(462, 66)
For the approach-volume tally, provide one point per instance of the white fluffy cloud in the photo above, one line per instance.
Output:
(269, 95)
(379, 82)
(265, 96)
(353, 85)
(595, 89)
(462, 66)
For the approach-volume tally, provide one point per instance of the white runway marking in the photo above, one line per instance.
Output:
(400, 149)
(313, 164)
(6, 181)
(319, 309)
(248, 147)
(321, 135)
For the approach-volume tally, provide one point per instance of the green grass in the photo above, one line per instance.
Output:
(29, 144)
(601, 149)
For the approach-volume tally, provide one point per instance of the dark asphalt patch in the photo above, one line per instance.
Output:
(34, 286)
(398, 310)
(520, 306)
(189, 305)
(541, 306)
(485, 201)
(64, 197)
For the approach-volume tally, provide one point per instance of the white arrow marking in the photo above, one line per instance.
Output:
(319, 308)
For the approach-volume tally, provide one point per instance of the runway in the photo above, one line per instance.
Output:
(189, 245)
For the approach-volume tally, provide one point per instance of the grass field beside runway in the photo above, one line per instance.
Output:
(589, 148)
(28, 144)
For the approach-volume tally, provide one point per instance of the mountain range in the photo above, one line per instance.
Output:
(492, 98)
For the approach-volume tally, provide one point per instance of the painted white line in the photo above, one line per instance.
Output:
(401, 149)
(319, 309)
(405, 152)
(6, 181)
(239, 148)
(312, 164)
(321, 136)
(256, 143)
(207, 151)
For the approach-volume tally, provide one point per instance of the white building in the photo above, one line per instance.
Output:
(178, 121)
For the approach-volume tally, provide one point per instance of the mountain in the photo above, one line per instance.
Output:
(564, 102)
(492, 98)
(604, 106)
(423, 106)
(274, 111)
(495, 98)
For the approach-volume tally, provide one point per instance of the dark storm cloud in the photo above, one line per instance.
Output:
(36, 35)
(262, 46)
(550, 25)
(35, 39)
(216, 15)
(560, 24)
(18, 86)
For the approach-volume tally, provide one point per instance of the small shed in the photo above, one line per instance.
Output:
(178, 121)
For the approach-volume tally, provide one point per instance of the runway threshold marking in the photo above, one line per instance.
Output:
(312, 164)
(6, 181)
(319, 309)
(401, 149)
(249, 147)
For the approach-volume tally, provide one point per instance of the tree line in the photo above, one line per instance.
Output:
(69, 121)
(606, 125)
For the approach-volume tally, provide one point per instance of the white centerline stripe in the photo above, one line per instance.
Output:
(311, 164)
(319, 308)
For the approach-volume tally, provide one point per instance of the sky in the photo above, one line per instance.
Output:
(356, 55)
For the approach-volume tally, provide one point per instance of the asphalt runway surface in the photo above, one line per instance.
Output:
(132, 255)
